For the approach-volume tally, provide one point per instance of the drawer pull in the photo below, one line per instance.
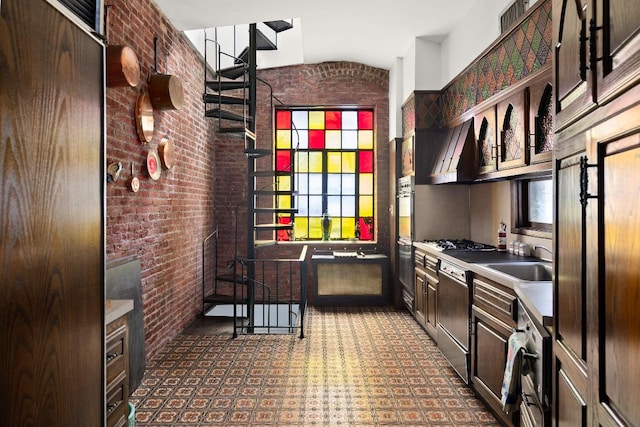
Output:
(112, 356)
(113, 406)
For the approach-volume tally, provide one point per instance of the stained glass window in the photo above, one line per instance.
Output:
(333, 159)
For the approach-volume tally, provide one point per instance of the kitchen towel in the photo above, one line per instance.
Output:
(515, 367)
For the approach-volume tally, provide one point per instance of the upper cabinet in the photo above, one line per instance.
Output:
(541, 139)
(597, 54)
(512, 151)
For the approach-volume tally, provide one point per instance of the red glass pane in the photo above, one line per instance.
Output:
(283, 119)
(284, 235)
(283, 160)
(316, 140)
(366, 161)
(366, 228)
(365, 120)
(333, 120)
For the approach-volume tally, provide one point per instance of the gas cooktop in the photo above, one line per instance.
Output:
(459, 244)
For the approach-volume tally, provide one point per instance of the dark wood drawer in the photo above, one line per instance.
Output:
(116, 353)
(418, 258)
(117, 406)
(496, 299)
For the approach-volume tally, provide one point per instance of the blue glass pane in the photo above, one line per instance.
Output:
(349, 120)
(333, 206)
(302, 183)
(348, 206)
(315, 206)
(300, 139)
(301, 204)
(300, 120)
(333, 184)
(349, 139)
(349, 183)
(315, 184)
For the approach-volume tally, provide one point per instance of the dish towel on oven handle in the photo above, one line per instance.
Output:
(516, 366)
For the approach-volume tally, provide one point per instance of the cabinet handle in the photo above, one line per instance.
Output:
(584, 181)
(592, 43)
(112, 356)
(113, 406)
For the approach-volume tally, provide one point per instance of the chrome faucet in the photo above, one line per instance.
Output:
(536, 247)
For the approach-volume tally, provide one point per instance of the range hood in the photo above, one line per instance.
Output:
(456, 159)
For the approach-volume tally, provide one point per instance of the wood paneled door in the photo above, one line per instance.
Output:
(51, 219)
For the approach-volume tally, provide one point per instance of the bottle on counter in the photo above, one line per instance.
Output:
(502, 236)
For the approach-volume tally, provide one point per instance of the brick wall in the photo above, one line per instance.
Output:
(164, 223)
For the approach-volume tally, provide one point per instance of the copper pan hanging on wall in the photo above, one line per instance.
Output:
(165, 90)
(123, 68)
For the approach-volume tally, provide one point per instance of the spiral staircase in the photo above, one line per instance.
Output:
(230, 96)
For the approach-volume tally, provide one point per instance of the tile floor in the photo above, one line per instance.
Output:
(355, 367)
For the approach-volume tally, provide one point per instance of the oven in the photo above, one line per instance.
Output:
(535, 409)
(405, 239)
(454, 316)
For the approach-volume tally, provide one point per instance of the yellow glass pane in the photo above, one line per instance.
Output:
(334, 162)
(283, 139)
(332, 139)
(315, 161)
(366, 206)
(316, 119)
(348, 162)
(302, 163)
(284, 183)
(284, 202)
(348, 228)
(315, 228)
(365, 139)
(366, 183)
(335, 229)
(300, 227)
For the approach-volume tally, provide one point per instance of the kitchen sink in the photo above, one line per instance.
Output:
(529, 271)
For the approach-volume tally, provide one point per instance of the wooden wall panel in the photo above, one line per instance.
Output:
(51, 219)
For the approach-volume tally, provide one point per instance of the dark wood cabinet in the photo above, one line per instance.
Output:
(426, 292)
(117, 366)
(493, 319)
(513, 126)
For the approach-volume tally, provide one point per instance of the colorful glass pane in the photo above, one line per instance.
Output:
(283, 160)
(315, 228)
(366, 228)
(366, 205)
(284, 202)
(334, 184)
(333, 120)
(315, 161)
(302, 204)
(301, 228)
(348, 227)
(284, 235)
(348, 205)
(315, 184)
(300, 120)
(349, 139)
(302, 162)
(283, 139)
(349, 120)
(366, 183)
(316, 140)
(334, 162)
(333, 139)
(348, 162)
(316, 119)
(366, 161)
(333, 206)
(336, 231)
(365, 139)
(365, 119)
(283, 183)
(283, 119)
(315, 206)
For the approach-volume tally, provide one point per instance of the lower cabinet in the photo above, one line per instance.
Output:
(493, 318)
(426, 292)
(117, 384)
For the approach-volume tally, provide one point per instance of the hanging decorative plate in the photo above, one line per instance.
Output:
(153, 164)
(144, 118)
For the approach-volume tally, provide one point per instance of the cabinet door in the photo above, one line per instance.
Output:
(541, 121)
(572, 85)
(485, 127)
(489, 349)
(617, 34)
(419, 296)
(431, 305)
(618, 277)
(514, 129)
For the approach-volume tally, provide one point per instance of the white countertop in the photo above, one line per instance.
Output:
(117, 308)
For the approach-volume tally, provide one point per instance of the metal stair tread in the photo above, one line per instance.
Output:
(275, 210)
(279, 25)
(264, 243)
(275, 193)
(220, 85)
(225, 114)
(213, 98)
(222, 299)
(273, 226)
(262, 43)
(234, 71)
(258, 152)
